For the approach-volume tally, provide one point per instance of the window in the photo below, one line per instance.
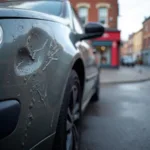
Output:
(48, 7)
(83, 14)
(103, 16)
(77, 26)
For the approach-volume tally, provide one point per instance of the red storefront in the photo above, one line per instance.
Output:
(109, 48)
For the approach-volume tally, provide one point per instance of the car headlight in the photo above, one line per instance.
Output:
(1, 34)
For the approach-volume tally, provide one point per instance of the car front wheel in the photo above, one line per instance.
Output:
(96, 96)
(68, 128)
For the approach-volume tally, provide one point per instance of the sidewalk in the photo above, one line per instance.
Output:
(124, 75)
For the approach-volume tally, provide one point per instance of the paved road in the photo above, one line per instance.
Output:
(120, 121)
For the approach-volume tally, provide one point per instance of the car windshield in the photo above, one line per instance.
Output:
(49, 7)
(129, 58)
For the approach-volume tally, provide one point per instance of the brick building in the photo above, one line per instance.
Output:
(146, 41)
(130, 44)
(124, 48)
(106, 12)
(137, 43)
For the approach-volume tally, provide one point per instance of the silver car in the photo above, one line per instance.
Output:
(48, 74)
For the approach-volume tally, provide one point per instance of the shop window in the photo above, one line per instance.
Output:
(103, 16)
(83, 14)
(105, 54)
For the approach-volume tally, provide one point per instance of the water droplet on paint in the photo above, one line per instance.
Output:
(25, 80)
(18, 95)
(31, 105)
(34, 75)
(33, 100)
(26, 135)
(30, 117)
(29, 124)
(22, 144)
(25, 130)
(20, 28)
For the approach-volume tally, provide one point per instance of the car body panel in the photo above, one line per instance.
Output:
(28, 57)
(35, 63)
(91, 70)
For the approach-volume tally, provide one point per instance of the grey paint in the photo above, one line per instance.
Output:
(36, 57)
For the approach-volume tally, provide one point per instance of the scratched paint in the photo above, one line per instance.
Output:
(41, 90)
(38, 91)
(52, 119)
(49, 49)
(33, 53)
(29, 120)
(54, 47)
(28, 61)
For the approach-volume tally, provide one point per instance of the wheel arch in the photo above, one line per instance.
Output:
(78, 66)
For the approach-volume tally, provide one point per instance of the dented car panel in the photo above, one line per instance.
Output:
(30, 61)
(37, 54)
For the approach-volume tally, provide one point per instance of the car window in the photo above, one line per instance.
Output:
(77, 25)
(49, 7)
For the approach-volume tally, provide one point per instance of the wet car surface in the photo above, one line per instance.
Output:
(120, 120)
(47, 79)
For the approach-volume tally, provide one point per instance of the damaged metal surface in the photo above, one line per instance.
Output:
(36, 57)
(53, 49)
(29, 45)
(29, 50)
(37, 79)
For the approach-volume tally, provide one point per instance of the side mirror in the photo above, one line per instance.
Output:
(92, 30)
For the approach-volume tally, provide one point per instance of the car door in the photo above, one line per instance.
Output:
(91, 71)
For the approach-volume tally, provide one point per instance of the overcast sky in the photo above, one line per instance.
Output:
(132, 14)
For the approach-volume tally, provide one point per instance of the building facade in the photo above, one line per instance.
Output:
(137, 44)
(146, 42)
(124, 48)
(130, 44)
(106, 12)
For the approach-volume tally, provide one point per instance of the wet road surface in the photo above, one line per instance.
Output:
(120, 120)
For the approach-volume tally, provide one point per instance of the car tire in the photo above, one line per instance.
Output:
(96, 96)
(69, 123)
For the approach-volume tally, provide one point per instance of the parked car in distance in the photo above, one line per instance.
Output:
(128, 61)
(48, 74)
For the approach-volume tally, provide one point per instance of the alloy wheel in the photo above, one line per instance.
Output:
(73, 115)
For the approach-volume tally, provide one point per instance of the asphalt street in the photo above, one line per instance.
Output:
(120, 120)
